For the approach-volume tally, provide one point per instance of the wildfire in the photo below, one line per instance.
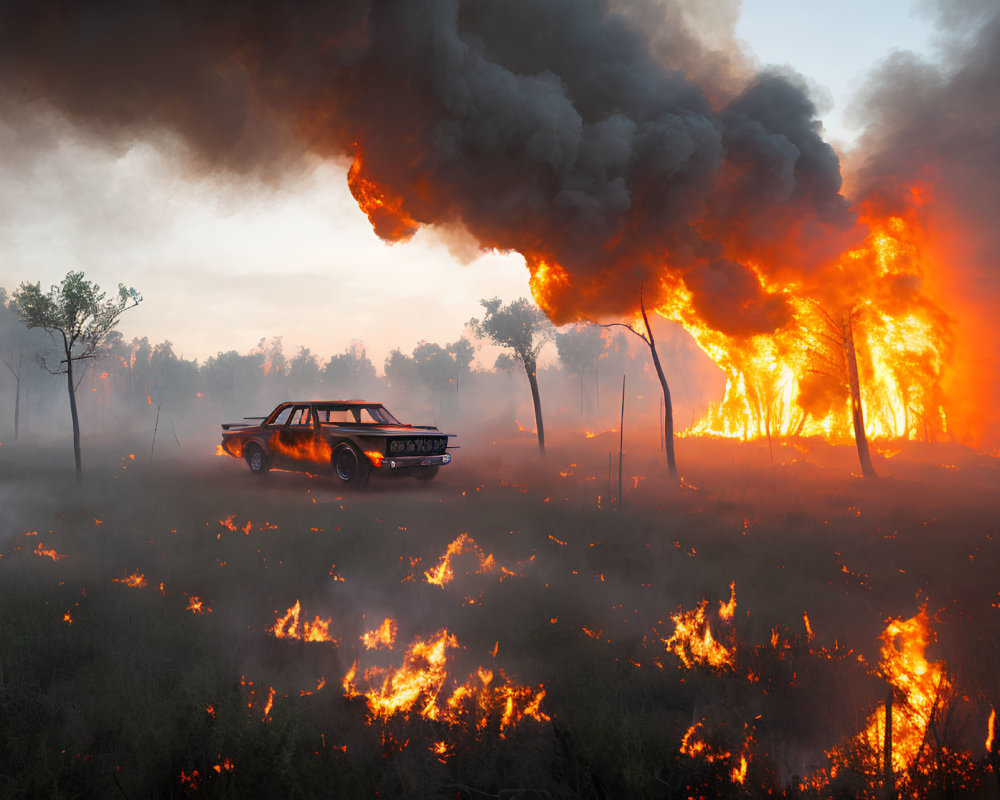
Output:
(696, 747)
(41, 550)
(287, 627)
(136, 580)
(726, 610)
(196, 605)
(918, 688)
(422, 685)
(228, 523)
(383, 636)
(794, 381)
(692, 640)
(444, 573)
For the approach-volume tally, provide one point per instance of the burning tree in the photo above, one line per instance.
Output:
(523, 328)
(840, 359)
(77, 311)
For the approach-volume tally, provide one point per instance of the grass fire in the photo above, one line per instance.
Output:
(790, 632)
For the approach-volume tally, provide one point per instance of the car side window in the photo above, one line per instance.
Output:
(302, 416)
(282, 418)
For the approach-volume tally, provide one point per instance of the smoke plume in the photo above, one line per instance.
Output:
(549, 127)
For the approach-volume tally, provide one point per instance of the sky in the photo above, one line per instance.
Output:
(223, 262)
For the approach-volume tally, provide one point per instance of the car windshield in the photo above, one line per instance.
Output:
(354, 415)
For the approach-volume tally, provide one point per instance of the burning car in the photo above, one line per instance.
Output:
(350, 438)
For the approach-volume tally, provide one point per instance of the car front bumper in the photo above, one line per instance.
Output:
(403, 462)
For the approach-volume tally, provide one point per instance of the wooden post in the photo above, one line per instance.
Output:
(888, 777)
(621, 436)
(611, 494)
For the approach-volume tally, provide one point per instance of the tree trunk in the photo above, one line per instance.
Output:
(529, 368)
(75, 417)
(668, 409)
(17, 398)
(867, 469)
(888, 776)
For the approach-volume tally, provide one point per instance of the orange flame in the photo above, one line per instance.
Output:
(384, 209)
(919, 686)
(443, 573)
(726, 610)
(316, 450)
(134, 581)
(692, 641)
(383, 636)
(793, 381)
(40, 550)
(420, 686)
(287, 627)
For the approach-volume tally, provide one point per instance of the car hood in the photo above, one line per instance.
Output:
(386, 430)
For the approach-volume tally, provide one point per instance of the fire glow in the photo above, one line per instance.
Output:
(919, 687)
(793, 381)
(424, 686)
(692, 640)
(287, 627)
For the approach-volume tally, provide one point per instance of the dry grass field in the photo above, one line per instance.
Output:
(538, 646)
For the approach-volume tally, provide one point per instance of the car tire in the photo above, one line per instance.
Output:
(349, 466)
(256, 459)
(426, 473)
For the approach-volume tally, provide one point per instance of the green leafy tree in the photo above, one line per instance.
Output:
(522, 327)
(77, 316)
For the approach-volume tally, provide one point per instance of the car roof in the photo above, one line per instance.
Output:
(329, 403)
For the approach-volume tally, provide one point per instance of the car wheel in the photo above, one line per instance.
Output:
(256, 459)
(425, 473)
(349, 466)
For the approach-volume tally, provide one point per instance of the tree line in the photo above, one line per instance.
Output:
(67, 337)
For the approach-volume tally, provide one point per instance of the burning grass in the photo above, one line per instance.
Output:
(563, 650)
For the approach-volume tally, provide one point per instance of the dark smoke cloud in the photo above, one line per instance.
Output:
(551, 127)
(940, 124)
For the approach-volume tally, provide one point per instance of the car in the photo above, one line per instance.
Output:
(350, 438)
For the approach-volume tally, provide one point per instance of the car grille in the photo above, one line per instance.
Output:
(417, 446)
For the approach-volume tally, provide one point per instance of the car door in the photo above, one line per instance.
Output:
(295, 443)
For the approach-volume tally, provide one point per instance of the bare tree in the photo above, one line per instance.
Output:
(668, 409)
(76, 313)
(522, 327)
